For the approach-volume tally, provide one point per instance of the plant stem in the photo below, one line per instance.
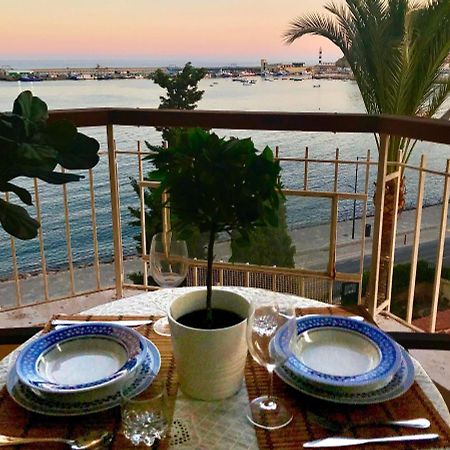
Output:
(209, 277)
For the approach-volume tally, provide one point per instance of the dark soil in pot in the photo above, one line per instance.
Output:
(221, 319)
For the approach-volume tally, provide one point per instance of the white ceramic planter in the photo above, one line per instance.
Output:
(210, 363)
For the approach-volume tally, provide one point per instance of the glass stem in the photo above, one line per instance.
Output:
(270, 395)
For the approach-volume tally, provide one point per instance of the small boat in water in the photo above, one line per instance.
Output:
(29, 78)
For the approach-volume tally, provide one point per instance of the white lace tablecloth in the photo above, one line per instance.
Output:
(222, 424)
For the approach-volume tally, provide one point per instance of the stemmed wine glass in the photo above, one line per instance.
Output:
(169, 266)
(267, 316)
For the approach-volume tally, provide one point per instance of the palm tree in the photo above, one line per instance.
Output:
(395, 49)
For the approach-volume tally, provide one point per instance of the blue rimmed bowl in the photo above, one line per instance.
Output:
(80, 358)
(339, 352)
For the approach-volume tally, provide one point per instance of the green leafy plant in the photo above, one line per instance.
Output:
(217, 185)
(267, 246)
(32, 147)
(181, 93)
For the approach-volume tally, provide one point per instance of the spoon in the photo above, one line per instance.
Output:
(91, 440)
(339, 427)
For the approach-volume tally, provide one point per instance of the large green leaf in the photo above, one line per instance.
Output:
(60, 134)
(16, 221)
(22, 193)
(36, 152)
(31, 108)
(31, 147)
(57, 177)
(81, 153)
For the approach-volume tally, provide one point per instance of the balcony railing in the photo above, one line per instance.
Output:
(323, 283)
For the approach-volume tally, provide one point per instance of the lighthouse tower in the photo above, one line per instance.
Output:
(320, 56)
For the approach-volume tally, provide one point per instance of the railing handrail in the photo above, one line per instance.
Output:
(432, 130)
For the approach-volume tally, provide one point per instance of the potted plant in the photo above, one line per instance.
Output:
(215, 185)
(32, 147)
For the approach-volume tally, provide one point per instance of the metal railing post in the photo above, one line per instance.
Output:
(416, 241)
(115, 211)
(440, 250)
(378, 225)
(397, 175)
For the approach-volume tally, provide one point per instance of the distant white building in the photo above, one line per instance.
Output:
(295, 68)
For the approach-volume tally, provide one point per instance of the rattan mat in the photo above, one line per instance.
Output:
(412, 404)
(16, 421)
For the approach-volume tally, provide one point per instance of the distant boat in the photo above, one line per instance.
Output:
(29, 78)
(316, 85)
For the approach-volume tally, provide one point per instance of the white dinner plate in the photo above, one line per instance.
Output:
(338, 352)
(81, 358)
(88, 402)
(399, 384)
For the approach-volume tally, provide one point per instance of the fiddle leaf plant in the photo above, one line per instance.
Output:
(217, 185)
(32, 147)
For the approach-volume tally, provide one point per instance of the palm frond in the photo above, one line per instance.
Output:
(441, 93)
(429, 46)
(319, 25)
(395, 49)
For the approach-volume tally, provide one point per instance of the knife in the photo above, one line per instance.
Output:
(338, 441)
(125, 323)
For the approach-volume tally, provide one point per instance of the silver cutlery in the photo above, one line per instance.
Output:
(89, 441)
(358, 318)
(339, 427)
(125, 323)
(338, 441)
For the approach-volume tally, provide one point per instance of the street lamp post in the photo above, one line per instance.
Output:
(354, 200)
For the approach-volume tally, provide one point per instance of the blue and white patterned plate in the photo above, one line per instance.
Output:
(81, 358)
(339, 352)
(85, 402)
(400, 383)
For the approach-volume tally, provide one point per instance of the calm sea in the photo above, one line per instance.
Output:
(221, 94)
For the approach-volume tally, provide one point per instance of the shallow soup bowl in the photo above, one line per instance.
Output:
(81, 358)
(340, 353)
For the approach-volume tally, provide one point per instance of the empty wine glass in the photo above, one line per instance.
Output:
(267, 316)
(169, 266)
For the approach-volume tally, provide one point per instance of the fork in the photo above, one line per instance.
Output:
(89, 441)
(339, 427)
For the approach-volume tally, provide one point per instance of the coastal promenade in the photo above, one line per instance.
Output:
(312, 253)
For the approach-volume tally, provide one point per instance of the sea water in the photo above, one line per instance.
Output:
(279, 95)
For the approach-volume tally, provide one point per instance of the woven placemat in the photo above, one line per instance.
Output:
(412, 404)
(16, 421)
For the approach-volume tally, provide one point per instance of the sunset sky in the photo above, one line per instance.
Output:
(160, 31)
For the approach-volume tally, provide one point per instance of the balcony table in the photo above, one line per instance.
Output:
(221, 424)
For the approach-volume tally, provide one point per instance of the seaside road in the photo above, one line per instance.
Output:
(427, 252)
